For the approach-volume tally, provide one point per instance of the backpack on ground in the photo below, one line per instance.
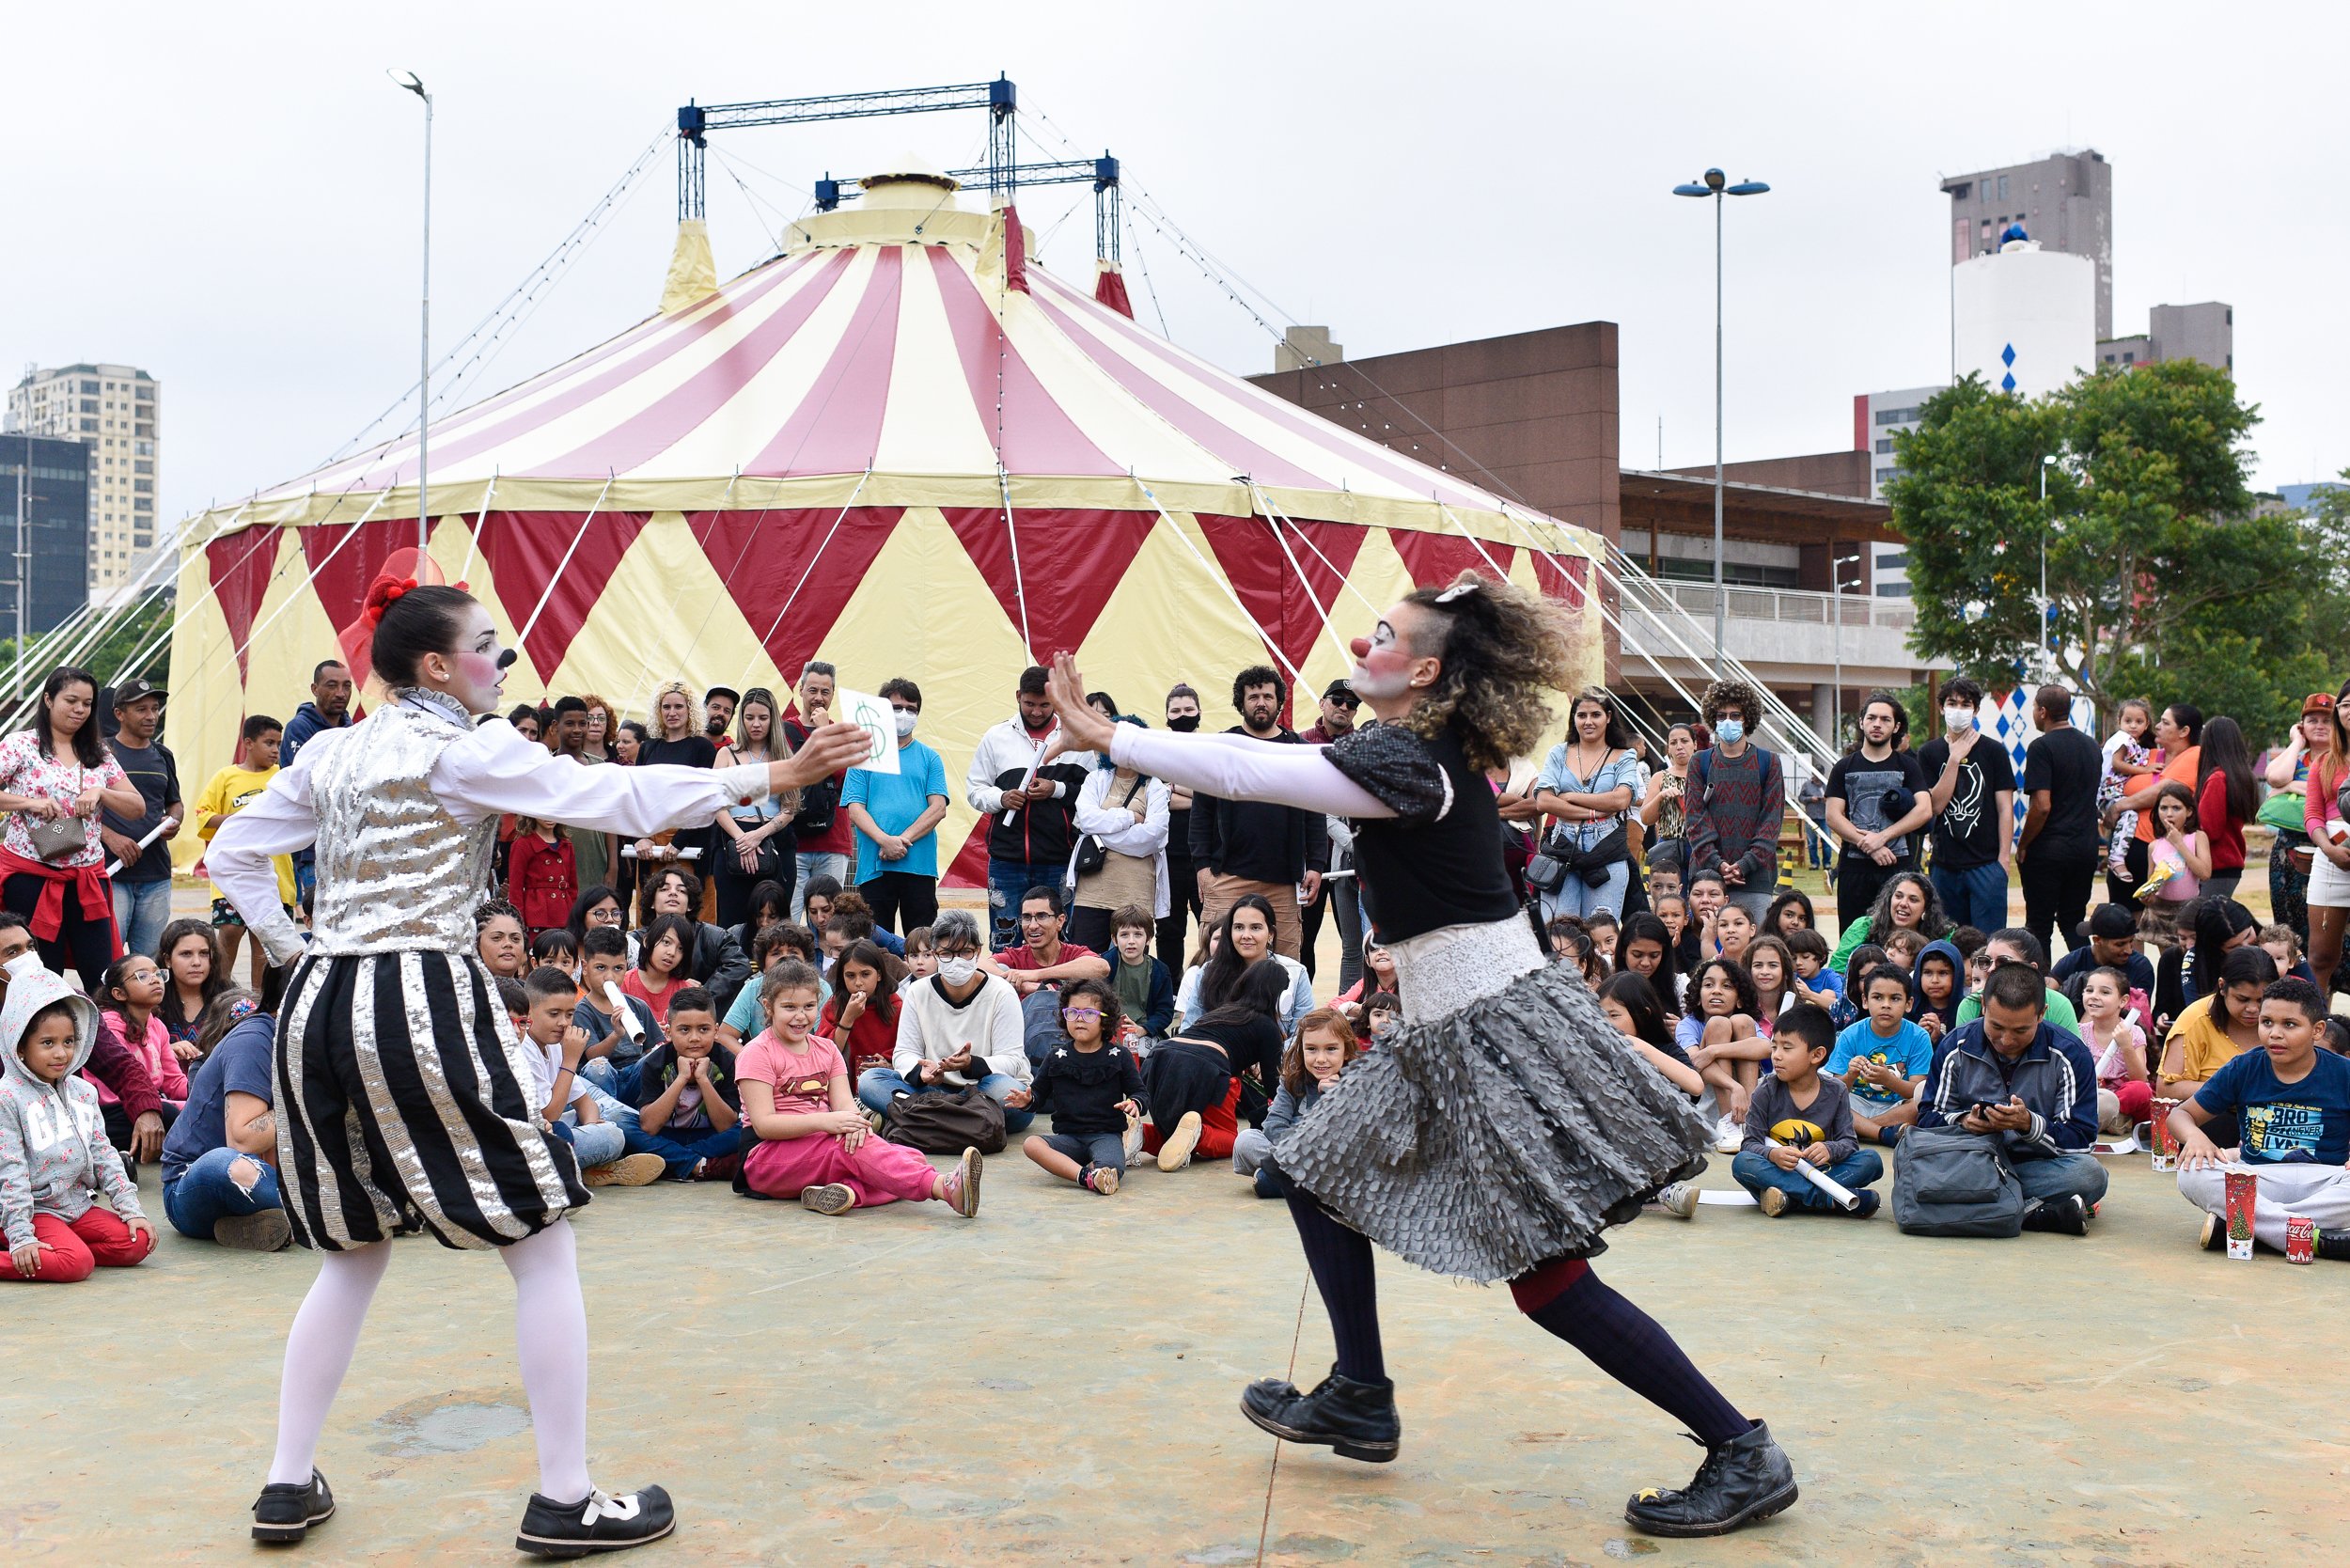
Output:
(1948, 1181)
(945, 1121)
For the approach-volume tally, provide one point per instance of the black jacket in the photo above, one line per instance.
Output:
(718, 963)
(1255, 841)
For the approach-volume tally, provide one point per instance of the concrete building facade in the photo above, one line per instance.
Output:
(51, 480)
(117, 412)
(2065, 201)
(2203, 332)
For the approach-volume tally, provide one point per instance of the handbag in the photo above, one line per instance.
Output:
(56, 838)
(1093, 854)
(769, 854)
(945, 1121)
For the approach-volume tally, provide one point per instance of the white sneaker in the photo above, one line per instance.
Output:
(1680, 1200)
(1729, 1137)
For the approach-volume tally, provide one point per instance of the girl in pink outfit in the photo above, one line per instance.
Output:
(135, 990)
(814, 1143)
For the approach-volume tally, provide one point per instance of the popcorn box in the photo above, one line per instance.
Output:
(2243, 1187)
(2166, 1147)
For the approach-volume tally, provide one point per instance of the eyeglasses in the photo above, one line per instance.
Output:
(955, 952)
(1029, 919)
(1075, 1012)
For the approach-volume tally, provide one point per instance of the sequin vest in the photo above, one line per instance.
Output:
(395, 870)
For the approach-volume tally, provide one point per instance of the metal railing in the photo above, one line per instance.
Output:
(1655, 596)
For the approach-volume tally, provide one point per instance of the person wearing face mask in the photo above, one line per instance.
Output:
(1029, 804)
(959, 1028)
(1183, 879)
(1736, 800)
(1974, 812)
(1502, 1126)
(391, 1036)
(896, 817)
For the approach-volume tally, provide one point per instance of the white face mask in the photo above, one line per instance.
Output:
(957, 971)
(905, 723)
(1958, 720)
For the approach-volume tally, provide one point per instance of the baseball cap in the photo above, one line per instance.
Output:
(2108, 921)
(1340, 689)
(136, 691)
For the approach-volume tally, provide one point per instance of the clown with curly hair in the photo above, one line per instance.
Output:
(1503, 1125)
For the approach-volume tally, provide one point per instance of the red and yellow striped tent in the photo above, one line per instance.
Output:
(899, 446)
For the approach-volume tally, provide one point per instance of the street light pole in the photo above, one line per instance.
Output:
(415, 84)
(1712, 183)
(2047, 633)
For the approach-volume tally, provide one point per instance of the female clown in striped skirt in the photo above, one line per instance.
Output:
(400, 1084)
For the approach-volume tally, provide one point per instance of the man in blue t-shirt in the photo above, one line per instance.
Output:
(219, 1183)
(896, 817)
(2293, 1101)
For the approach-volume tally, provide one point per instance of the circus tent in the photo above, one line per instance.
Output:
(899, 446)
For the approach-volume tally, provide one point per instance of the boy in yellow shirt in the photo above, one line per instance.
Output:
(230, 789)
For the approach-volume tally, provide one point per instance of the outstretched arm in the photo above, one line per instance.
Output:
(495, 771)
(1234, 766)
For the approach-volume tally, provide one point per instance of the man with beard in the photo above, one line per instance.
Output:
(1338, 703)
(1242, 846)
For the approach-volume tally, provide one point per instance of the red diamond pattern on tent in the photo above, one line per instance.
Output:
(794, 585)
(1270, 590)
(525, 551)
(1434, 559)
(1564, 578)
(969, 866)
(241, 568)
(1069, 562)
(343, 568)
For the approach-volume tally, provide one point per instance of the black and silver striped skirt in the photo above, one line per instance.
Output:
(402, 1103)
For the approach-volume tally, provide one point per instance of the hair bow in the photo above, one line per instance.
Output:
(382, 596)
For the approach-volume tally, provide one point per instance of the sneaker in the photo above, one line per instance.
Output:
(1868, 1205)
(1729, 1137)
(2215, 1237)
(873, 1118)
(1102, 1179)
(1355, 1420)
(2332, 1245)
(1680, 1199)
(598, 1522)
(1175, 1153)
(285, 1511)
(962, 1190)
(1772, 1200)
(629, 1170)
(2067, 1215)
(1742, 1481)
(830, 1198)
(266, 1232)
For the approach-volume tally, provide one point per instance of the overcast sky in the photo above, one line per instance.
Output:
(226, 194)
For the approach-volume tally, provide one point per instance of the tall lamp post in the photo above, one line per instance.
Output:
(1711, 184)
(2047, 526)
(415, 84)
(1836, 589)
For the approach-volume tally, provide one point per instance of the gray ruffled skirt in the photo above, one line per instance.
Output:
(1489, 1137)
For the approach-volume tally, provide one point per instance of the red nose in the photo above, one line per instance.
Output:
(1360, 647)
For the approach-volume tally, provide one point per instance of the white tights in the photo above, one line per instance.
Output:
(550, 1334)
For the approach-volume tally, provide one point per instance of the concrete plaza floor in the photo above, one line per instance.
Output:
(1054, 1383)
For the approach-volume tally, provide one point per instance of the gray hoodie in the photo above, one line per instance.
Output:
(54, 1154)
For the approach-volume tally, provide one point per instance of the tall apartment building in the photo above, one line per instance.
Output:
(116, 411)
(2065, 201)
(46, 483)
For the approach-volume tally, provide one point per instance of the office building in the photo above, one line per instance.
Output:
(1878, 419)
(116, 411)
(2065, 201)
(48, 483)
(2203, 332)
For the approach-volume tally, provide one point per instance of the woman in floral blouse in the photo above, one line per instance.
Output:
(54, 777)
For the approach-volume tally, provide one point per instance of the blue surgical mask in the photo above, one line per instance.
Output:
(1730, 732)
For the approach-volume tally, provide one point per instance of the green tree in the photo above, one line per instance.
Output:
(2160, 581)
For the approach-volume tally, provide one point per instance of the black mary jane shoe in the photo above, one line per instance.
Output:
(598, 1522)
(1356, 1419)
(285, 1511)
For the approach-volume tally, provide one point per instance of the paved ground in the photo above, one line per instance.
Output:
(1054, 1383)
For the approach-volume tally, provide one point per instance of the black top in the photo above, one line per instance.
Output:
(1967, 833)
(1861, 784)
(1080, 1089)
(1251, 1043)
(157, 776)
(694, 751)
(2068, 765)
(1437, 861)
(1255, 841)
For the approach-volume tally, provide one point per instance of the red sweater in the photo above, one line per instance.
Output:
(2224, 832)
(871, 1041)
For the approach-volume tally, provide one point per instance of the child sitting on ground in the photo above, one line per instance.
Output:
(2291, 1101)
(1092, 1089)
(556, 1044)
(1647, 949)
(614, 1045)
(1978, 967)
(1772, 967)
(1882, 1057)
(1816, 984)
(2124, 1095)
(1382, 1011)
(1734, 930)
(1719, 1035)
(2284, 945)
(1146, 991)
(1934, 994)
(1903, 948)
(135, 990)
(662, 952)
(861, 1020)
(1673, 910)
(1570, 944)
(921, 959)
(557, 947)
(1320, 1050)
(772, 945)
(55, 1159)
(1797, 1115)
(1378, 975)
(1606, 932)
(814, 1144)
(688, 1107)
